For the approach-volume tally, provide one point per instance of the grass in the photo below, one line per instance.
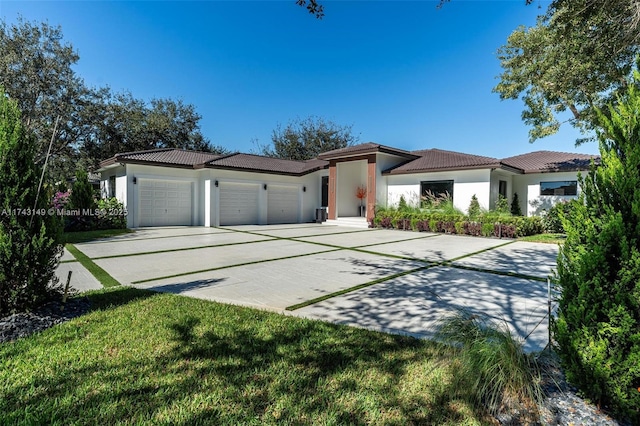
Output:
(545, 238)
(86, 236)
(100, 274)
(148, 358)
(494, 371)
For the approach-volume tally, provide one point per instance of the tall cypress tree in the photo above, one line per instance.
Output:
(29, 237)
(598, 325)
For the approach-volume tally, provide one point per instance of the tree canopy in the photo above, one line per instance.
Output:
(303, 139)
(36, 67)
(129, 124)
(577, 56)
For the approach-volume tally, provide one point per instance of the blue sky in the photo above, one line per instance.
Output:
(403, 73)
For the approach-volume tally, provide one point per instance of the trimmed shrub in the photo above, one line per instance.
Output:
(530, 225)
(474, 208)
(487, 229)
(112, 214)
(552, 221)
(515, 206)
(502, 206)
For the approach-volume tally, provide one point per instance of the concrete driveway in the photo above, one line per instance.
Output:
(406, 280)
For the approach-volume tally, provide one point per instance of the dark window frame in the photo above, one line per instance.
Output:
(112, 186)
(552, 188)
(324, 191)
(502, 188)
(424, 183)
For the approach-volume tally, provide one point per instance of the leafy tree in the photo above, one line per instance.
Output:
(577, 56)
(37, 72)
(29, 241)
(306, 139)
(515, 206)
(82, 192)
(130, 124)
(598, 325)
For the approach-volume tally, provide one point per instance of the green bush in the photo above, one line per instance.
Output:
(473, 212)
(82, 192)
(515, 206)
(502, 206)
(489, 224)
(597, 329)
(552, 220)
(111, 214)
(30, 239)
(529, 225)
(487, 229)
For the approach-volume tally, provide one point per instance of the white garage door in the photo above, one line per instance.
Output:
(239, 203)
(164, 202)
(283, 204)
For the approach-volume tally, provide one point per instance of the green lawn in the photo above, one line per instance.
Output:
(545, 238)
(148, 358)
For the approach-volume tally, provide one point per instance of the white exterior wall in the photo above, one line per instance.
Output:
(466, 183)
(528, 189)
(384, 162)
(350, 175)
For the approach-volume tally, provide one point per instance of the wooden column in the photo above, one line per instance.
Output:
(333, 175)
(371, 186)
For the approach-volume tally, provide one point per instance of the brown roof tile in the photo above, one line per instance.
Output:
(260, 164)
(434, 160)
(165, 156)
(364, 148)
(550, 161)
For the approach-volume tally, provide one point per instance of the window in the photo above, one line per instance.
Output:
(112, 187)
(436, 189)
(565, 187)
(502, 188)
(325, 191)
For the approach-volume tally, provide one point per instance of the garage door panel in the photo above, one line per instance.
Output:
(239, 204)
(165, 203)
(283, 204)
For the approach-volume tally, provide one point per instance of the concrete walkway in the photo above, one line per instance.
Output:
(409, 280)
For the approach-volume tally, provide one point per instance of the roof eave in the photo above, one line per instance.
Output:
(442, 169)
(252, 170)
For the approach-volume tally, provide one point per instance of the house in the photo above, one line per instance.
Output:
(165, 187)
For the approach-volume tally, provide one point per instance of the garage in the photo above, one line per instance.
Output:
(283, 204)
(165, 202)
(239, 203)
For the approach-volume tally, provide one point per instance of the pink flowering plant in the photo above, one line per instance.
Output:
(61, 199)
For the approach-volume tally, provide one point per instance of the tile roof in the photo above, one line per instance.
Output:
(421, 161)
(164, 156)
(433, 160)
(172, 157)
(258, 163)
(550, 161)
(364, 148)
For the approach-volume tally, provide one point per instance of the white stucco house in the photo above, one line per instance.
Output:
(175, 187)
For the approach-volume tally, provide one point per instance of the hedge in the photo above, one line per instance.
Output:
(488, 226)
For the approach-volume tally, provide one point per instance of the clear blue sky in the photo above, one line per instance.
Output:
(403, 73)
